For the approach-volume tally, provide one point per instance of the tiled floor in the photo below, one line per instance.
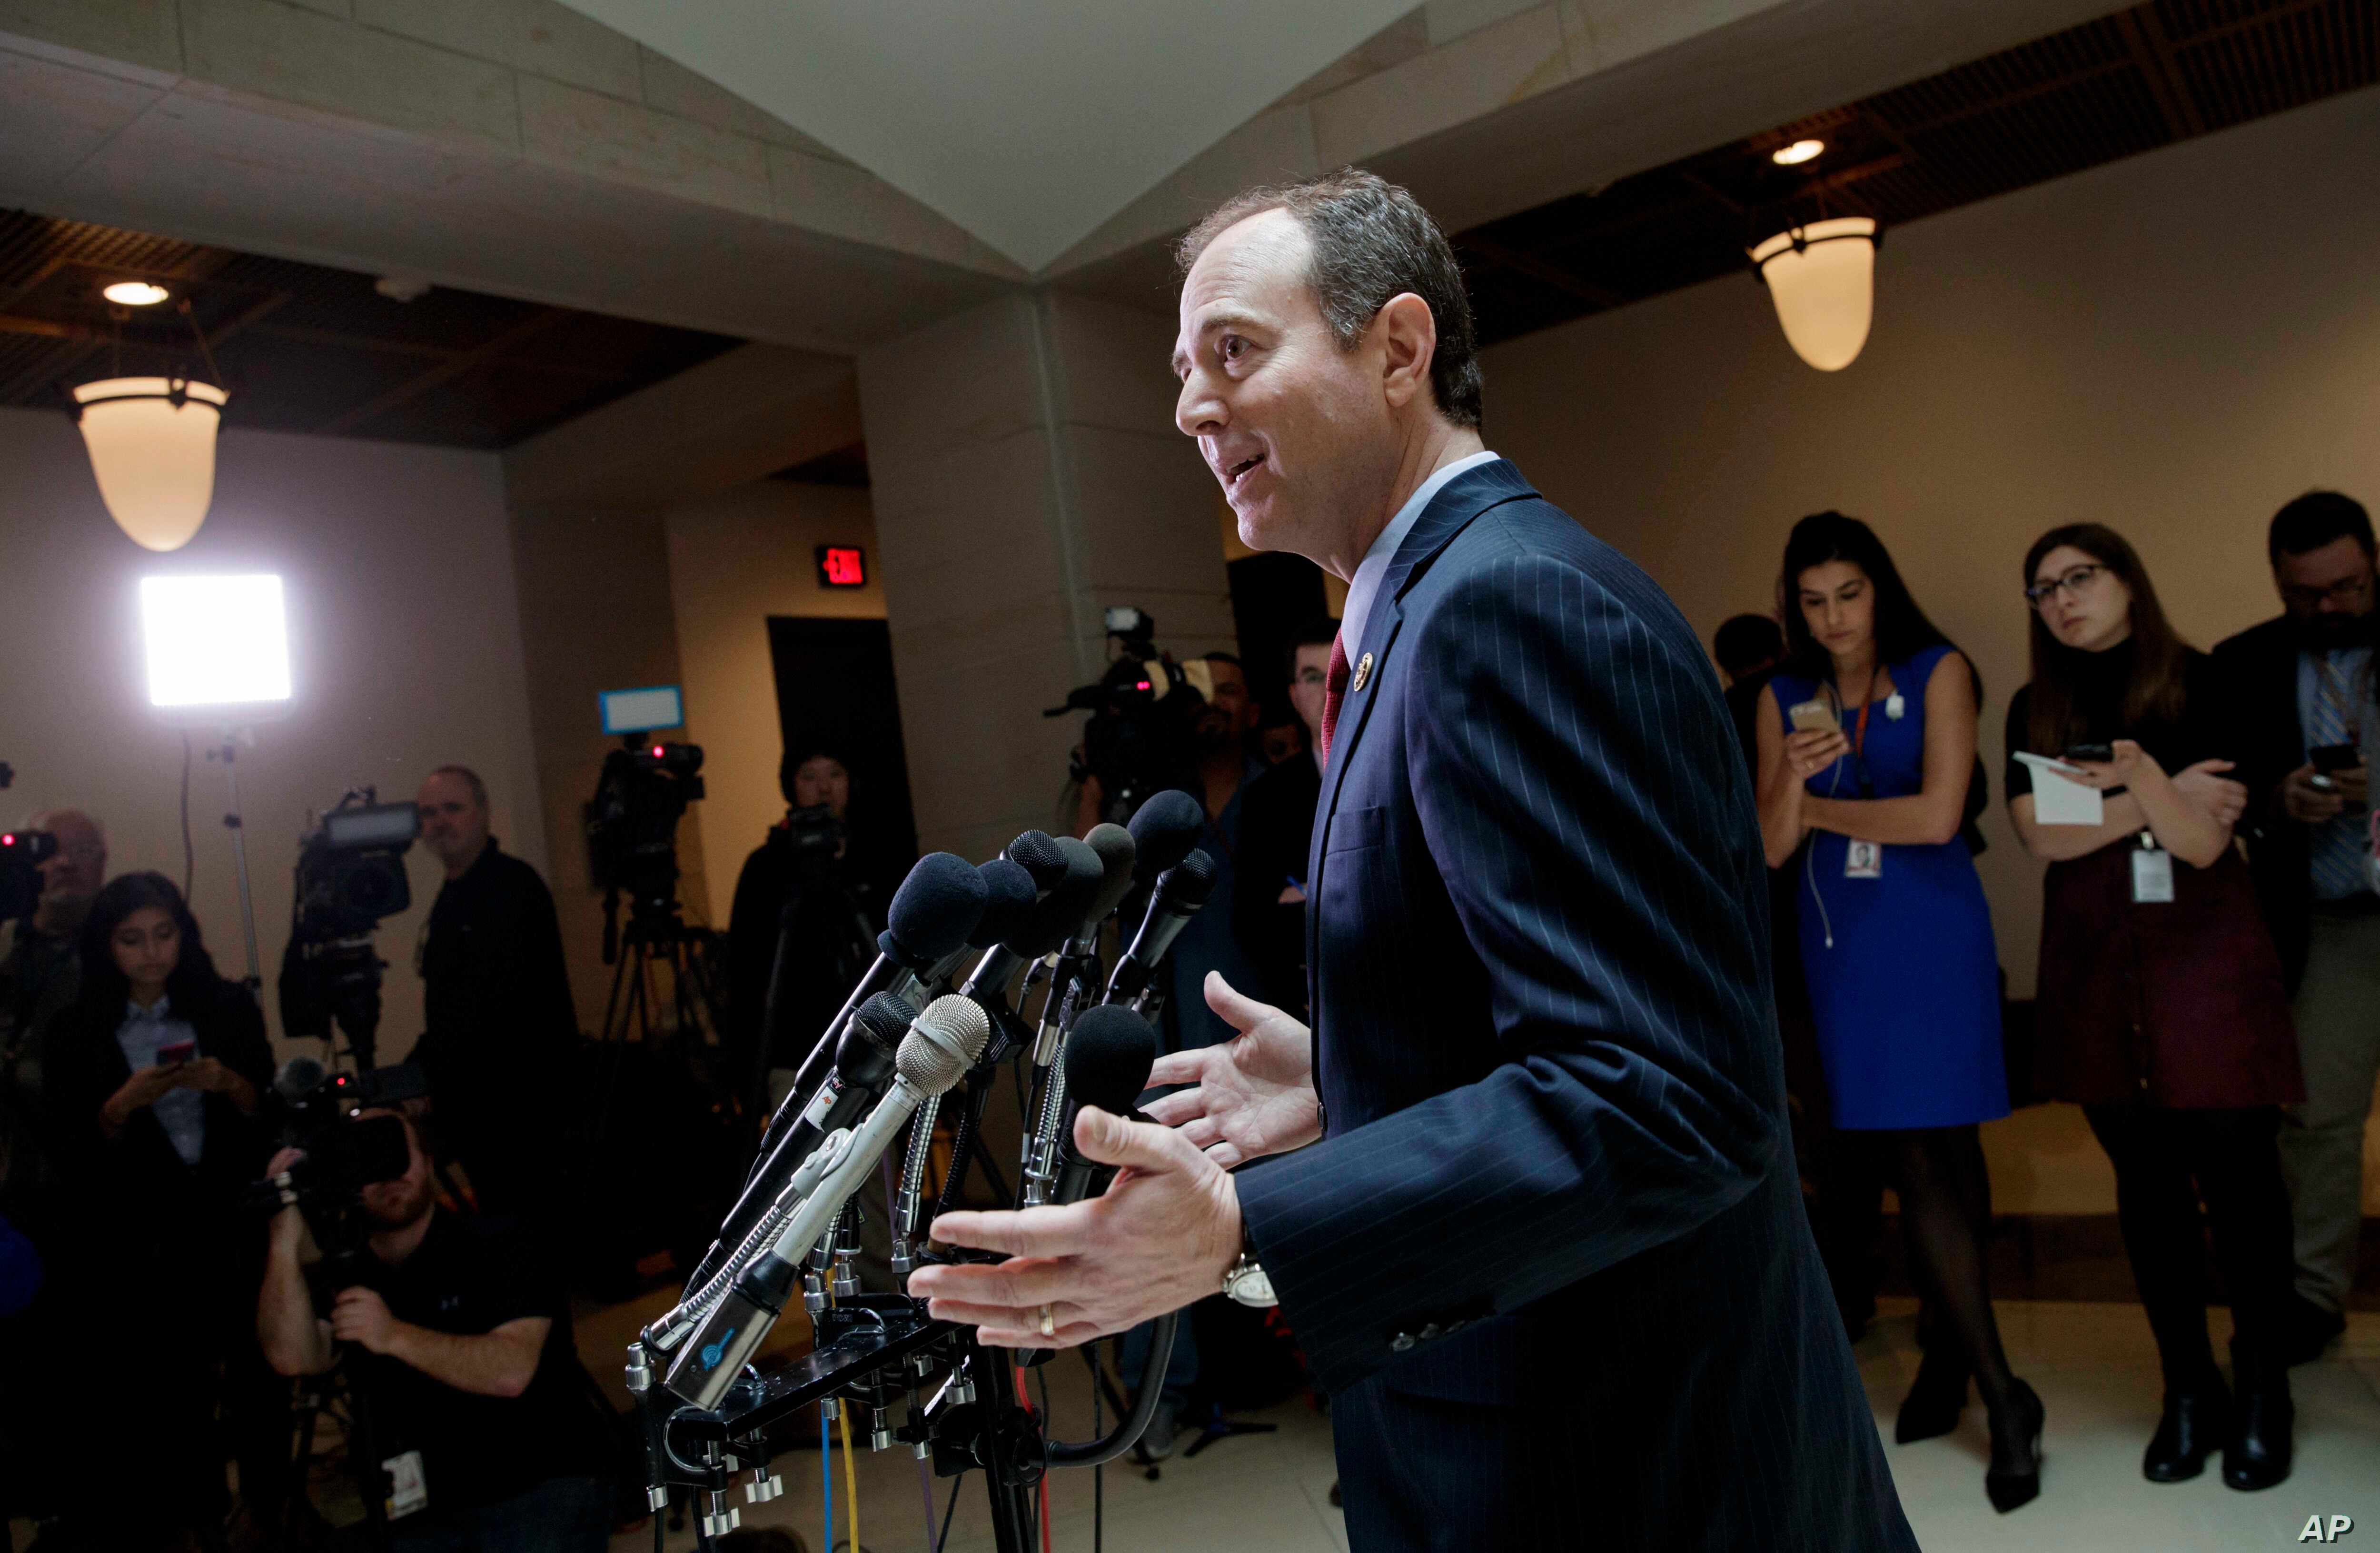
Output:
(2094, 1365)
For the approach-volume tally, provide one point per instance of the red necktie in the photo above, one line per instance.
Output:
(1334, 690)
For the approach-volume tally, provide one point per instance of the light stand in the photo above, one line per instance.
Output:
(226, 752)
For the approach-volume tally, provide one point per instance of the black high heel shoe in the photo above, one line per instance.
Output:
(1935, 1399)
(2014, 1476)
(2187, 1433)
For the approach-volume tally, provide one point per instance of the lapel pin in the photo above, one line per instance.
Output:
(1363, 672)
(1894, 705)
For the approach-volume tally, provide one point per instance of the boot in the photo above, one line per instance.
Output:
(2195, 1418)
(2256, 1454)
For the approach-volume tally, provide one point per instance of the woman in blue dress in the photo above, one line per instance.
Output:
(1868, 745)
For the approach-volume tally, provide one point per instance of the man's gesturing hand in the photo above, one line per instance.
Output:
(1162, 1235)
(1254, 1093)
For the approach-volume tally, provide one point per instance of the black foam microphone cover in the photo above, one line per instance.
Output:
(1108, 1056)
(1117, 851)
(935, 909)
(1010, 896)
(1165, 828)
(1052, 922)
(1038, 853)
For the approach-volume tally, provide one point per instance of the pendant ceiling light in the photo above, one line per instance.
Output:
(152, 447)
(1822, 277)
(152, 441)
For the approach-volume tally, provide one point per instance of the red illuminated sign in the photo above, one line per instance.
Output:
(842, 566)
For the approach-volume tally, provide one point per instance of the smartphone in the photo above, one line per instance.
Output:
(179, 1052)
(2336, 757)
(1811, 717)
(2089, 752)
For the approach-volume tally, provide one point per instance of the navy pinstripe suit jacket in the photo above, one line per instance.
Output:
(1557, 1169)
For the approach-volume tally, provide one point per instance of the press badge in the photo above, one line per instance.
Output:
(1864, 861)
(408, 1490)
(2151, 873)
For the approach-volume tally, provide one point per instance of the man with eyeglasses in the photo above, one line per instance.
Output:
(2303, 687)
(40, 975)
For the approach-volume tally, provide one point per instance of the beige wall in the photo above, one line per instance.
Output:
(2172, 344)
(406, 650)
(1027, 475)
(735, 561)
(595, 615)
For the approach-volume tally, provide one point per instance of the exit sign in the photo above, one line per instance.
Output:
(842, 566)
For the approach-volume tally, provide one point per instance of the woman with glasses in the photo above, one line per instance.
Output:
(1867, 751)
(2161, 1010)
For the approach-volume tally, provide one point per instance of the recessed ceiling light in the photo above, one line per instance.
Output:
(1796, 153)
(136, 294)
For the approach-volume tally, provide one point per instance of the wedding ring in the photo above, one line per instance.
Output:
(1049, 1323)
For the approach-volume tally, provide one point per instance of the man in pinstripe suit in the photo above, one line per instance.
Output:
(1540, 1235)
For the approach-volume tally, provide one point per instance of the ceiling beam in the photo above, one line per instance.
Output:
(2145, 42)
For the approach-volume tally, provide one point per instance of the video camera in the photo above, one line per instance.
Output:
(21, 854)
(1144, 717)
(350, 877)
(632, 823)
(343, 1154)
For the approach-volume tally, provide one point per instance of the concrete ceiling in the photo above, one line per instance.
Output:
(1027, 126)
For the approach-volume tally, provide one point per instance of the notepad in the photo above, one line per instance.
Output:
(2058, 799)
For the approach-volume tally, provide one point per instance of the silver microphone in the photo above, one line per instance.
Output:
(941, 1045)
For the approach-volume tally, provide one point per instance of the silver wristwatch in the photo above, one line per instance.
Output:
(1245, 1282)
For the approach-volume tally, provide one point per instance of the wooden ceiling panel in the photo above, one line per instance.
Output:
(2115, 87)
(302, 348)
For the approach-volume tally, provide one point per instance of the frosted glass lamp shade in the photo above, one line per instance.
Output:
(1822, 278)
(152, 448)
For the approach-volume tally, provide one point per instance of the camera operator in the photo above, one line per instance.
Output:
(845, 890)
(40, 973)
(497, 1002)
(476, 1398)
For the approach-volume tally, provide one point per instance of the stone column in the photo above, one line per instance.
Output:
(1027, 476)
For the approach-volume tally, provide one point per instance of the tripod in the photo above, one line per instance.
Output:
(656, 935)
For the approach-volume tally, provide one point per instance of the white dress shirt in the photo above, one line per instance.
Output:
(1375, 565)
(182, 1112)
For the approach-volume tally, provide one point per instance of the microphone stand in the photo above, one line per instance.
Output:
(958, 1402)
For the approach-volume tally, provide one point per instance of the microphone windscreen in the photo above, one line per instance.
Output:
(1061, 912)
(1008, 897)
(297, 1078)
(1038, 853)
(935, 909)
(1108, 1056)
(943, 1043)
(1116, 849)
(885, 1019)
(1166, 828)
(1191, 880)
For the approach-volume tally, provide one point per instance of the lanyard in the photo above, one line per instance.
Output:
(1859, 734)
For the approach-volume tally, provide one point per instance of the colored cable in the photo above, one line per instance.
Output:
(850, 1480)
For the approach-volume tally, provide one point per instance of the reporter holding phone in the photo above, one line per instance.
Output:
(154, 1077)
(2161, 1007)
(1867, 752)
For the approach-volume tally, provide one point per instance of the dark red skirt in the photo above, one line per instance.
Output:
(2179, 1003)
